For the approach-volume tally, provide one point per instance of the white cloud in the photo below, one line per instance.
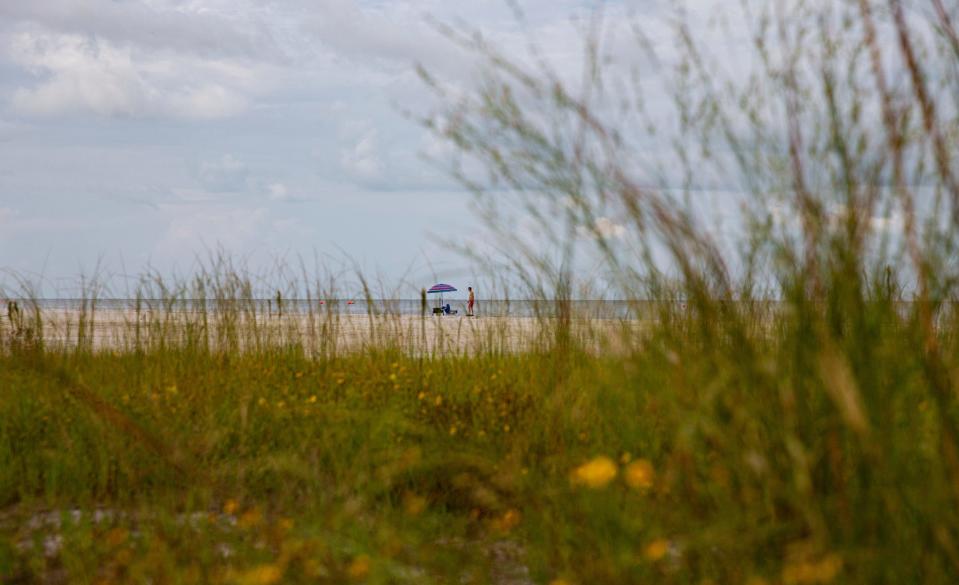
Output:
(200, 27)
(892, 224)
(207, 101)
(394, 35)
(362, 160)
(605, 228)
(278, 192)
(76, 74)
(609, 228)
(80, 75)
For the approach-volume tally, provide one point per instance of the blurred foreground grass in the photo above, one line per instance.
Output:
(720, 442)
(726, 447)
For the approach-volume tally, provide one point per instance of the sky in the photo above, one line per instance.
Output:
(146, 133)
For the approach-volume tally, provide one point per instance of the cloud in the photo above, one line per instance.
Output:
(389, 35)
(280, 192)
(207, 101)
(362, 159)
(203, 27)
(892, 224)
(603, 227)
(211, 59)
(608, 228)
(80, 76)
(74, 73)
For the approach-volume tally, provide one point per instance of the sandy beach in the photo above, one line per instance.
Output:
(319, 333)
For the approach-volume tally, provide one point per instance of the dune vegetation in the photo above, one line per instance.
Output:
(724, 442)
(786, 411)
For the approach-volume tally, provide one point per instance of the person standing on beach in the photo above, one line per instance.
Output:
(469, 303)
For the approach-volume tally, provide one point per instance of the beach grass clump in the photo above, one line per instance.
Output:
(782, 408)
(724, 450)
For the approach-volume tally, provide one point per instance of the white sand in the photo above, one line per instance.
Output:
(325, 333)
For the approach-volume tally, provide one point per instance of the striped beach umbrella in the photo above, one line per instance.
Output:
(440, 288)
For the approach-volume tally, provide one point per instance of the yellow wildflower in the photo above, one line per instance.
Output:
(359, 568)
(284, 525)
(656, 549)
(312, 399)
(261, 575)
(507, 521)
(639, 474)
(413, 504)
(230, 506)
(596, 473)
(249, 519)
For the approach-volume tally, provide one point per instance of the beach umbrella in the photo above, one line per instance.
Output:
(440, 288)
